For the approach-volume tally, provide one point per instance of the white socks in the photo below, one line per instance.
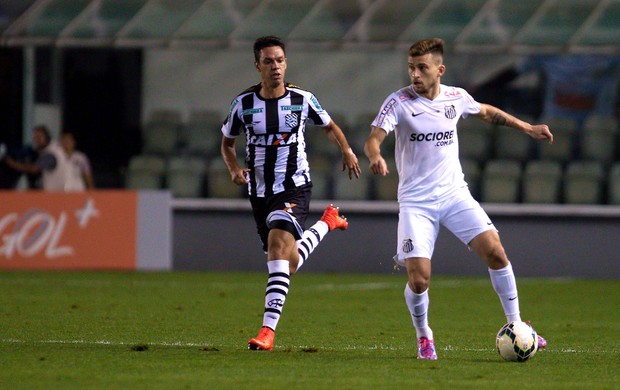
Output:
(418, 307)
(276, 291)
(310, 240)
(279, 274)
(505, 286)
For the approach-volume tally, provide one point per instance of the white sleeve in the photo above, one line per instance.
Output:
(231, 128)
(387, 119)
(470, 105)
(316, 114)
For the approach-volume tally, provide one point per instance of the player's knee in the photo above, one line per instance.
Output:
(489, 247)
(282, 246)
(495, 257)
(278, 248)
(418, 283)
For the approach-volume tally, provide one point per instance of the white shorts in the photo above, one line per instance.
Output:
(418, 224)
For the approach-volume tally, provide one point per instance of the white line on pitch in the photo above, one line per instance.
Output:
(380, 347)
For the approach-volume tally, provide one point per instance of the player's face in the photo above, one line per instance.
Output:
(425, 72)
(272, 66)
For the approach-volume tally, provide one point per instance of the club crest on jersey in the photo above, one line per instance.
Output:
(407, 245)
(291, 120)
(450, 112)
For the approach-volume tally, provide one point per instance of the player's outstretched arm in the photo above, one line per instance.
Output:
(349, 159)
(494, 115)
(372, 149)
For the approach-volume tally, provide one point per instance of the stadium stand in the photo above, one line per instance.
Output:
(475, 139)
(583, 182)
(599, 139)
(201, 134)
(563, 147)
(501, 181)
(511, 144)
(219, 183)
(321, 167)
(614, 184)
(185, 176)
(472, 172)
(145, 172)
(355, 189)
(542, 180)
(161, 138)
(386, 187)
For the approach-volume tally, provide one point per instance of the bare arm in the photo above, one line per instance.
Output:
(27, 168)
(88, 181)
(229, 155)
(349, 159)
(494, 115)
(372, 149)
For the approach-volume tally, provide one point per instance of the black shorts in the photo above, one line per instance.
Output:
(295, 201)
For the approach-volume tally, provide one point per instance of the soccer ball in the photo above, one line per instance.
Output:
(517, 342)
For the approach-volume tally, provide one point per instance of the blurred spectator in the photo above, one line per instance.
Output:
(21, 161)
(573, 86)
(79, 161)
(9, 177)
(577, 85)
(52, 164)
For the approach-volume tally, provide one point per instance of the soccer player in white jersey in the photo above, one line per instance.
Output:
(432, 190)
(273, 115)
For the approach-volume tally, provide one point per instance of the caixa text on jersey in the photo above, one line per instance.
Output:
(272, 139)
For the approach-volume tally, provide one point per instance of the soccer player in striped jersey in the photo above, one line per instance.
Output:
(432, 190)
(272, 115)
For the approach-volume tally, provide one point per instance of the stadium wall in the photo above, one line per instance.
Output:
(150, 230)
(93, 230)
(541, 241)
(347, 80)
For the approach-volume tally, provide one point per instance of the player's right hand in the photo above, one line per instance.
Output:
(239, 176)
(378, 166)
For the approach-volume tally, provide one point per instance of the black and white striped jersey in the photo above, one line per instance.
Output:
(274, 131)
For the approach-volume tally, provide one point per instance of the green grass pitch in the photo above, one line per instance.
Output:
(188, 330)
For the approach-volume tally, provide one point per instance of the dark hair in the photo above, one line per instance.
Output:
(267, 41)
(45, 131)
(425, 46)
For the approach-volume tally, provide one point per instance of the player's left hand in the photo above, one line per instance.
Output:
(541, 132)
(349, 161)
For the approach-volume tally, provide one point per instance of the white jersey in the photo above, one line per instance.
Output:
(79, 167)
(63, 176)
(426, 152)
